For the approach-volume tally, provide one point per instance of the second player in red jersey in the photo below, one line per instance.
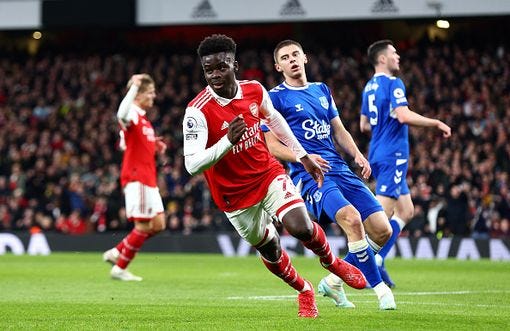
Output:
(144, 205)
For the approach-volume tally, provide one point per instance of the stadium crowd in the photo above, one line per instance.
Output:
(60, 161)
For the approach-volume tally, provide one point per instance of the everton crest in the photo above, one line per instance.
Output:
(324, 102)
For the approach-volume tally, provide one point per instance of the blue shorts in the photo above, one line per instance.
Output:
(391, 177)
(338, 190)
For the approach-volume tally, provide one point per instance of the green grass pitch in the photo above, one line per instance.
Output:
(73, 291)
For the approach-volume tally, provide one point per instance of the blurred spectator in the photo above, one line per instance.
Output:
(500, 228)
(73, 224)
(482, 220)
(457, 212)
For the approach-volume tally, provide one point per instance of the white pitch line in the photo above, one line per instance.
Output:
(441, 304)
(397, 294)
(450, 292)
(452, 304)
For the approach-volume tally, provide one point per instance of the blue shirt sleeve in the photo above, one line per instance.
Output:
(398, 94)
(332, 109)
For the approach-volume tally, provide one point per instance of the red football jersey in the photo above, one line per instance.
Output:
(241, 178)
(139, 162)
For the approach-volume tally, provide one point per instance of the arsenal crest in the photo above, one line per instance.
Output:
(254, 109)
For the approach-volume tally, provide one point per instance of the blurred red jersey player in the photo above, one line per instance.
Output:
(144, 205)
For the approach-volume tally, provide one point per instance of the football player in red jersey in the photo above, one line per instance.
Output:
(222, 140)
(144, 205)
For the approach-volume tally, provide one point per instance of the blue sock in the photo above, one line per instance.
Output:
(362, 256)
(351, 258)
(393, 239)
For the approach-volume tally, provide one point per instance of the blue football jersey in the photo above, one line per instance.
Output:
(309, 111)
(381, 96)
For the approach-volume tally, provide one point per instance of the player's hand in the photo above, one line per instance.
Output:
(363, 163)
(313, 169)
(137, 79)
(160, 145)
(236, 129)
(324, 164)
(447, 131)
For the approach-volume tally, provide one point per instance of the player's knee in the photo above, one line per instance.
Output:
(271, 250)
(407, 214)
(157, 228)
(298, 224)
(158, 224)
(382, 236)
(349, 217)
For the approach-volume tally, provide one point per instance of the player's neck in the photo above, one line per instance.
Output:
(296, 82)
(383, 71)
(138, 104)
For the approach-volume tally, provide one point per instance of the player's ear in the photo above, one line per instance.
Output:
(278, 67)
(381, 58)
(306, 58)
(236, 66)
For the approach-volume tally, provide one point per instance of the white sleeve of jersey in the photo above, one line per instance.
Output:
(197, 157)
(126, 113)
(279, 126)
(266, 106)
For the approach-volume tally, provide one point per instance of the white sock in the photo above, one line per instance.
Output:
(400, 221)
(357, 246)
(375, 247)
(378, 260)
(306, 287)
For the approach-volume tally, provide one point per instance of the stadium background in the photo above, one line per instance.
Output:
(63, 68)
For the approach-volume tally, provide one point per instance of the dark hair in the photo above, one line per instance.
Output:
(216, 43)
(375, 50)
(283, 44)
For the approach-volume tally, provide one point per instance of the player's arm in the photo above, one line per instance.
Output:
(160, 145)
(283, 153)
(123, 113)
(364, 124)
(407, 116)
(364, 120)
(197, 157)
(278, 149)
(344, 139)
(277, 124)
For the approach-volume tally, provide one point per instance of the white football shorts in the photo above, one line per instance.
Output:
(255, 223)
(142, 202)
